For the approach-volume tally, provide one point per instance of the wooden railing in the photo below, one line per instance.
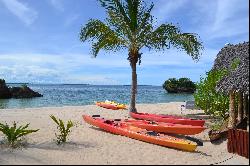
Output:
(238, 142)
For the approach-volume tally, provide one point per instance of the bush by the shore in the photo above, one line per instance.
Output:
(182, 85)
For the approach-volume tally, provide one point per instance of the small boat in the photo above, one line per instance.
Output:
(167, 119)
(111, 105)
(167, 127)
(120, 127)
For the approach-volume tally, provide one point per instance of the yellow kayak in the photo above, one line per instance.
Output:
(112, 104)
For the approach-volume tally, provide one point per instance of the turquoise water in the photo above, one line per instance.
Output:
(77, 95)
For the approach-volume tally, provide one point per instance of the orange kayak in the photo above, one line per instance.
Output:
(167, 127)
(125, 129)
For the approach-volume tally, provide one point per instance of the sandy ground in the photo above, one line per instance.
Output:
(89, 145)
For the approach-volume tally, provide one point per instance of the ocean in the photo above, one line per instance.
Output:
(76, 95)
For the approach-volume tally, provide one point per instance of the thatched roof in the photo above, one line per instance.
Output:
(237, 79)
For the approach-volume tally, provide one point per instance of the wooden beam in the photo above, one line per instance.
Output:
(232, 114)
(240, 107)
(245, 106)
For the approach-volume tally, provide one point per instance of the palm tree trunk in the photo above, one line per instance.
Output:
(133, 62)
(240, 107)
(232, 117)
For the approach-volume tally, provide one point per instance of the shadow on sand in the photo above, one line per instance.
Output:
(68, 146)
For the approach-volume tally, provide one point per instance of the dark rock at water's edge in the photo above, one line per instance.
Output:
(4, 90)
(23, 92)
(180, 90)
(16, 92)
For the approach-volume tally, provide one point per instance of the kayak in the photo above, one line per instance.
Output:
(167, 127)
(125, 129)
(111, 105)
(168, 119)
(106, 105)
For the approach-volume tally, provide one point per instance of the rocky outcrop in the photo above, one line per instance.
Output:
(182, 85)
(180, 90)
(16, 92)
(4, 90)
(23, 92)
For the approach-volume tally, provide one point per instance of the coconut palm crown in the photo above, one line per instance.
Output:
(129, 25)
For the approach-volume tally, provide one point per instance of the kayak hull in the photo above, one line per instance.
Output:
(124, 129)
(112, 106)
(167, 127)
(108, 106)
(167, 119)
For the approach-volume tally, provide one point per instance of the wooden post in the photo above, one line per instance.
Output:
(240, 106)
(232, 116)
(245, 106)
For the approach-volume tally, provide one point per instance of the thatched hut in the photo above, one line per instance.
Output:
(235, 58)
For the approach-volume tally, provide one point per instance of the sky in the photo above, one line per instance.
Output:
(39, 41)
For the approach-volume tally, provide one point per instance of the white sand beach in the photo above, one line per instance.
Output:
(89, 145)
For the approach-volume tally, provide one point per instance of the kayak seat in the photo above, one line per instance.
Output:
(152, 133)
(152, 122)
(117, 119)
(111, 122)
(94, 116)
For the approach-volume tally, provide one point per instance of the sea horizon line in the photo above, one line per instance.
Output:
(20, 83)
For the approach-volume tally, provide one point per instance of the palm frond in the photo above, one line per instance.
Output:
(102, 37)
(118, 7)
(167, 34)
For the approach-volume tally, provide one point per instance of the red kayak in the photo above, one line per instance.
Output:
(168, 119)
(122, 128)
(163, 127)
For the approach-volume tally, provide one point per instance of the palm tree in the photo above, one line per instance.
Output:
(129, 25)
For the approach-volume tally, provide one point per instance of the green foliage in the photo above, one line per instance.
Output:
(2, 81)
(179, 85)
(14, 134)
(129, 25)
(206, 97)
(64, 130)
(235, 63)
(24, 86)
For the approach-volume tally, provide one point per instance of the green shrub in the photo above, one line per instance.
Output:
(14, 134)
(206, 97)
(64, 130)
(24, 86)
(174, 85)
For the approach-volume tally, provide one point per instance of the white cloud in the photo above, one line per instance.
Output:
(228, 19)
(223, 18)
(166, 9)
(211, 20)
(57, 4)
(21, 10)
(48, 68)
(75, 68)
(71, 19)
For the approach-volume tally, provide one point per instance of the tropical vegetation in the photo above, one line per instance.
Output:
(14, 134)
(181, 85)
(63, 130)
(208, 99)
(130, 25)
